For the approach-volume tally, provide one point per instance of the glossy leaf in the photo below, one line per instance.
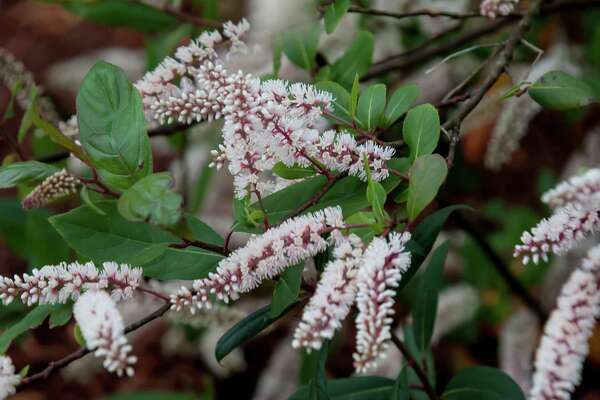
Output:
(334, 14)
(243, 331)
(300, 46)
(421, 130)
(356, 60)
(371, 106)
(482, 383)
(85, 195)
(425, 306)
(151, 199)
(32, 320)
(61, 315)
(132, 14)
(293, 172)
(561, 91)
(24, 172)
(287, 289)
(400, 102)
(202, 231)
(425, 178)
(317, 386)
(112, 126)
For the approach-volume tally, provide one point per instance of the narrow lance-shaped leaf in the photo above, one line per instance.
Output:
(425, 307)
(24, 172)
(287, 289)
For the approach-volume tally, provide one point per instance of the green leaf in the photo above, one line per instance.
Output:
(44, 245)
(421, 130)
(78, 336)
(401, 389)
(87, 200)
(32, 320)
(9, 112)
(400, 102)
(341, 100)
(112, 238)
(356, 60)
(131, 14)
(376, 196)
(293, 172)
(334, 14)
(482, 383)
(244, 330)
(425, 178)
(24, 172)
(354, 93)
(423, 237)
(371, 106)
(151, 199)
(425, 307)
(561, 91)
(287, 289)
(300, 46)
(203, 231)
(277, 53)
(164, 44)
(112, 126)
(61, 315)
(317, 386)
(355, 388)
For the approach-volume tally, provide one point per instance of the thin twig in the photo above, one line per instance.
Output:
(315, 199)
(427, 387)
(76, 355)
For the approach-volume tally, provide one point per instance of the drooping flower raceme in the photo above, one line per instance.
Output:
(8, 378)
(334, 296)
(578, 189)
(564, 346)
(384, 262)
(53, 284)
(495, 8)
(559, 233)
(265, 122)
(263, 257)
(54, 187)
(103, 330)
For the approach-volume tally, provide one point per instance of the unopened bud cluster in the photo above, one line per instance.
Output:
(496, 8)
(8, 378)
(54, 187)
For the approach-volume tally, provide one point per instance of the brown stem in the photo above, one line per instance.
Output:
(203, 245)
(427, 387)
(315, 199)
(63, 362)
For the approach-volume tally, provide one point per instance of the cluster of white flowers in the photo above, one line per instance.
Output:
(53, 284)
(577, 216)
(578, 189)
(54, 187)
(334, 296)
(263, 257)
(265, 122)
(103, 330)
(495, 8)
(8, 378)
(564, 346)
(384, 262)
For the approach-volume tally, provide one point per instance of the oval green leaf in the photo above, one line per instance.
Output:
(425, 178)
(560, 91)
(482, 383)
(421, 130)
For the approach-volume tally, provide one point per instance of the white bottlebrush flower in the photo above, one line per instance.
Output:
(54, 187)
(8, 378)
(53, 284)
(495, 8)
(263, 257)
(333, 297)
(103, 330)
(564, 346)
(578, 189)
(384, 262)
(560, 232)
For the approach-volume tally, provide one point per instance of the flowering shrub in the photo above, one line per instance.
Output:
(338, 194)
